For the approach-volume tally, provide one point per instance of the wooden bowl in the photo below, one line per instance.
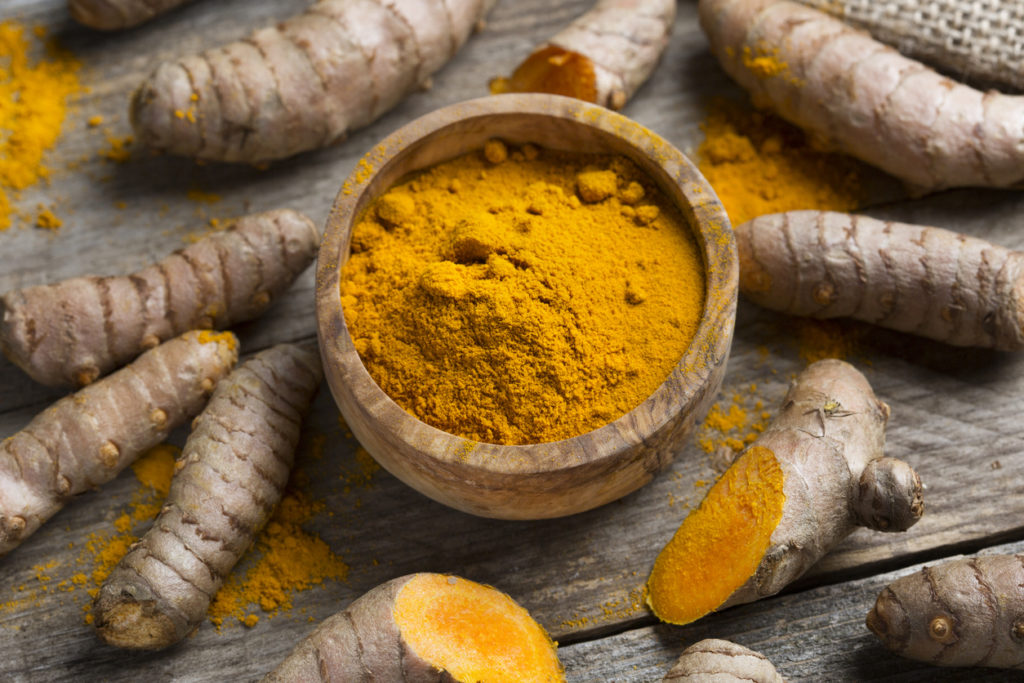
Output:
(548, 479)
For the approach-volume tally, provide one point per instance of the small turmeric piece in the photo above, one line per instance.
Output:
(87, 438)
(927, 281)
(426, 627)
(76, 330)
(967, 612)
(815, 474)
(232, 473)
(712, 659)
(602, 57)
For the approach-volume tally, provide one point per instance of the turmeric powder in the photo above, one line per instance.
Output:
(522, 297)
(33, 105)
(760, 164)
(290, 560)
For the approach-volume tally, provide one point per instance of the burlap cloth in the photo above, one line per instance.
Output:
(972, 40)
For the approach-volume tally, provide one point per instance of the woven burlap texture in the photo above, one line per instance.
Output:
(979, 40)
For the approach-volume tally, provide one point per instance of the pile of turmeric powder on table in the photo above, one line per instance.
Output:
(522, 296)
(759, 164)
(34, 97)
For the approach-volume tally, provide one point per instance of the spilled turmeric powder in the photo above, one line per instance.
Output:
(758, 164)
(733, 423)
(821, 339)
(522, 296)
(290, 560)
(34, 95)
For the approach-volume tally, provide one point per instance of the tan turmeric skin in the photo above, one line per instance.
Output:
(524, 296)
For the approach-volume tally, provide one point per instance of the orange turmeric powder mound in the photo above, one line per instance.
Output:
(719, 546)
(290, 560)
(34, 98)
(473, 632)
(759, 164)
(523, 301)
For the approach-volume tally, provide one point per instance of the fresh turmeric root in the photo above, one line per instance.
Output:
(74, 331)
(816, 473)
(927, 281)
(856, 95)
(967, 612)
(112, 15)
(426, 627)
(602, 57)
(712, 659)
(302, 84)
(231, 475)
(86, 439)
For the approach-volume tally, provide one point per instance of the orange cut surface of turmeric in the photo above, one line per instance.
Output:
(473, 632)
(720, 545)
(554, 70)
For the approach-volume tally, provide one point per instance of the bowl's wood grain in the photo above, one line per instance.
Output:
(548, 479)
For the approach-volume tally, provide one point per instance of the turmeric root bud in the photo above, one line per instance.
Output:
(721, 660)
(812, 477)
(74, 331)
(426, 627)
(967, 612)
(889, 496)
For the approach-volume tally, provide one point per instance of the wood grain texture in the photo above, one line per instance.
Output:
(534, 481)
(955, 412)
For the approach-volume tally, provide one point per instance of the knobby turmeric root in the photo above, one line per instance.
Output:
(232, 474)
(859, 96)
(722, 661)
(426, 627)
(927, 281)
(967, 612)
(112, 15)
(74, 331)
(87, 438)
(816, 473)
(602, 57)
(302, 84)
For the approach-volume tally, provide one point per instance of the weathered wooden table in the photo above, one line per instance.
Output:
(956, 414)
